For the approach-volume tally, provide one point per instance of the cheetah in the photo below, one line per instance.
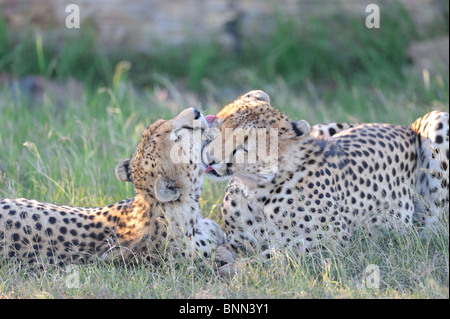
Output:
(318, 189)
(163, 216)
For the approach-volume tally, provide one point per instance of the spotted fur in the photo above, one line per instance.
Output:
(326, 131)
(433, 161)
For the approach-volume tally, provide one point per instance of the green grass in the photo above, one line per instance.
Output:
(409, 266)
(67, 154)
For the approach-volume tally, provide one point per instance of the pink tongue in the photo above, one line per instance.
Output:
(210, 119)
(209, 169)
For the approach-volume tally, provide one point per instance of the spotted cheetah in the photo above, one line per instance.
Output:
(163, 217)
(317, 190)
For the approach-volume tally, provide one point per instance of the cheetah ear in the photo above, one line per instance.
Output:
(298, 129)
(165, 189)
(257, 95)
(123, 171)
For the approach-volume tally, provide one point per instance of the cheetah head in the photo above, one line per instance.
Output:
(163, 164)
(247, 137)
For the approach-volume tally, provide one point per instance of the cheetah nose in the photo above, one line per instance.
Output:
(210, 119)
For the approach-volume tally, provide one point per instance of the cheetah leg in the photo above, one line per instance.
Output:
(225, 253)
(207, 237)
(244, 221)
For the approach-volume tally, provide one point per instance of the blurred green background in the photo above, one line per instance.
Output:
(310, 48)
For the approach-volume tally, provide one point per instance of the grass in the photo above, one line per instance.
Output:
(67, 153)
(410, 267)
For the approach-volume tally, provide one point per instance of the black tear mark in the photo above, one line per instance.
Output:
(297, 131)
